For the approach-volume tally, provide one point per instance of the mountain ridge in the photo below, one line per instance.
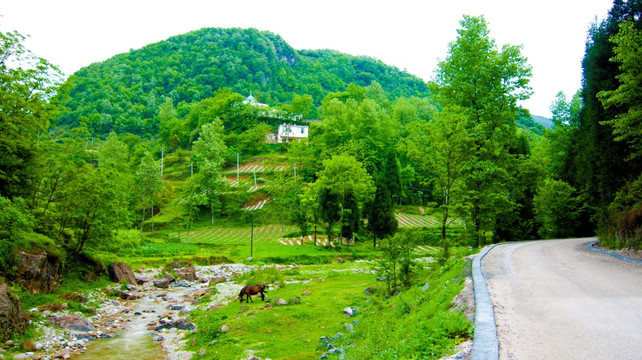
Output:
(124, 92)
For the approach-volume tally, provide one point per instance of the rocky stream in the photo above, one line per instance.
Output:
(143, 321)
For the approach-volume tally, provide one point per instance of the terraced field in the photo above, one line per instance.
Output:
(273, 234)
(237, 236)
(416, 220)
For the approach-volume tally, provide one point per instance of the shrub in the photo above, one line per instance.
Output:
(268, 275)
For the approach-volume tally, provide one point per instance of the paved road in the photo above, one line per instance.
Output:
(557, 299)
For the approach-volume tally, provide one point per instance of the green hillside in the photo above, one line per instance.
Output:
(124, 93)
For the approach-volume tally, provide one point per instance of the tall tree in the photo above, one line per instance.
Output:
(148, 180)
(381, 212)
(209, 155)
(27, 83)
(448, 157)
(627, 98)
(341, 177)
(486, 84)
(600, 161)
(557, 209)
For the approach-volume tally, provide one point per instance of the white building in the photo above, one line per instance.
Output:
(289, 132)
(250, 100)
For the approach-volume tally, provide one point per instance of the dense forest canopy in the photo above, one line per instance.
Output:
(125, 92)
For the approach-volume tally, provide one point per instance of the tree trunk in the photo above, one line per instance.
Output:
(152, 215)
(53, 190)
(142, 223)
(34, 201)
(443, 232)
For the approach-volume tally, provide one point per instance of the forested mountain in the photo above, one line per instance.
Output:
(124, 92)
(546, 122)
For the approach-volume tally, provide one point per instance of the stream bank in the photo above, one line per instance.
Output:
(147, 322)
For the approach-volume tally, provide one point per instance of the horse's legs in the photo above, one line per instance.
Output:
(262, 296)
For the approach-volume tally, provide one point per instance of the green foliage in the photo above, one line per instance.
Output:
(556, 209)
(15, 225)
(594, 151)
(27, 83)
(624, 228)
(129, 92)
(416, 324)
(397, 263)
(627, 124)
(266, 275)
(485, 84)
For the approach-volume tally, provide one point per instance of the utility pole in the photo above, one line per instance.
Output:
(237, 166)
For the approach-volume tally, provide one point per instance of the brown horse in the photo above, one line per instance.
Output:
(252, 290)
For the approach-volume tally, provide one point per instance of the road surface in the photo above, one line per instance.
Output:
(557, 299)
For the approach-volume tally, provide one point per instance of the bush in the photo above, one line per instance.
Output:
(456, 325)
(397, 263)
(268, 275)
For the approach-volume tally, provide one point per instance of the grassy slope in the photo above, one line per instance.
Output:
(414, 323)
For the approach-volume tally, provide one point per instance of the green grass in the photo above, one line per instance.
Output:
(414, 324)
(234, 235)
(283, 332)
(72, 283)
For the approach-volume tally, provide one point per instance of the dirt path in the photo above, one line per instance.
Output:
(557, 299)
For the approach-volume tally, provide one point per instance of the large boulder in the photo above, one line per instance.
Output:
(12, 319)
(162, 283)
(72, 322)
(119, 271)
(187, 273)
(39, 272)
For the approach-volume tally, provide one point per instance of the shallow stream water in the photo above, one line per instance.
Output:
(135, 341)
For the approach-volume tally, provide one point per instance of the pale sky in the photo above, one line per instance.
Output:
(411, 35)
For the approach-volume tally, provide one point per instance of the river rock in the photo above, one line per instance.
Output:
(161, 283)
(225, 328)
(183, 283)
(142, 278)
(216, 280)
(29, 345)
(169, 277)
(202, 352)
(120, 271)
(12, 319)
(281, 302)
(71, 322)
(187, 273)
(38, 273)
(180, 323)
(369, 290)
